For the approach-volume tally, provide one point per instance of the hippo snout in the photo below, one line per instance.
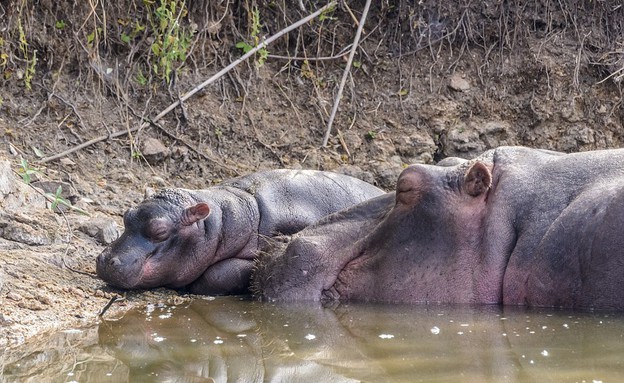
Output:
(103, 261)
(104, 258)
(114, 271)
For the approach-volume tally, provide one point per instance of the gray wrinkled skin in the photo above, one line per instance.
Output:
(206, 240)
(515, 226)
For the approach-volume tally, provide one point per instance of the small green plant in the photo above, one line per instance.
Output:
(371, 135)
(56, 199)
(4, 59)
(31, 61)
(140, 78)
(136, 155)
(26, 171)
(262, 53)
(137, 28)
(60, 24)
(171, 41)
(93, 37)
(326, 15)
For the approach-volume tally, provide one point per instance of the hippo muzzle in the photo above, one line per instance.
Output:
(122, 265)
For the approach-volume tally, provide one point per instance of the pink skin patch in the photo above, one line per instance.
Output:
(147, 272)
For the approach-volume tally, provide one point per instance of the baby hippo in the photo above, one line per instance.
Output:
(207, 240)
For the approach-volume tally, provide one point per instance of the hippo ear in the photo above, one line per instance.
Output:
(192, 214)
(478, 179)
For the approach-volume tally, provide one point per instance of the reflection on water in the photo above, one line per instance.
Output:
(232, 340)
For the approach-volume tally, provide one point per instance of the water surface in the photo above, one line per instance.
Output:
(232, 340)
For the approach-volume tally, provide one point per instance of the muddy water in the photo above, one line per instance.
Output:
(233, 340)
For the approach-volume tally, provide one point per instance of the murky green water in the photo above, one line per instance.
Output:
(232, 340)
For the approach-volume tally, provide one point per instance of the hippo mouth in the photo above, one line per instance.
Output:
(352, 272)
(119, 273)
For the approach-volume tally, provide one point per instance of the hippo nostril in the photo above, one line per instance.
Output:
(114, 262)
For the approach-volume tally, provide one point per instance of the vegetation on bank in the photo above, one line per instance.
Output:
(157, 39)
(137, 51)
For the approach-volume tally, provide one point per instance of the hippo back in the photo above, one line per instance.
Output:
(289, 200)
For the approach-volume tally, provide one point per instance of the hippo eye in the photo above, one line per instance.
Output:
(407, 192)
(158, 229)
(403, 186)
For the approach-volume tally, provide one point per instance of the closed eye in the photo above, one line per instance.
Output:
(158, 229)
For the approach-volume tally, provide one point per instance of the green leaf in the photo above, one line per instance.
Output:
(90, 38)
(156, 49)
(125, 38)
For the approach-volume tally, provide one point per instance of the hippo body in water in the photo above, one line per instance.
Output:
(206, 240)
(515, 226)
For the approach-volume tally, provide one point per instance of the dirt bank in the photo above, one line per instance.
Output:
(428, 81)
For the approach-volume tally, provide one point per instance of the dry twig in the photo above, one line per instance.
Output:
(200, 86)
(356, 40)
(114, 299)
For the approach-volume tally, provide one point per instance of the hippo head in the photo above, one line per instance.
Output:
(160, 244)
(418, 244)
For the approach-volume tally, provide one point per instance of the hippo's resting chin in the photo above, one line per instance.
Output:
(514, 226)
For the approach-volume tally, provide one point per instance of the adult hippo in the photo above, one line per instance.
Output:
(206, 240)
(514, 226)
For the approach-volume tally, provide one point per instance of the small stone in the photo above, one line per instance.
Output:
(159, 182)
(67, 162)
(459, 83)
(31, 305)
(414, 144)
(463, 142)
(396, 160)
(22, 233)
(51, 187)
(126, 178)
(43, 298)
(5, 320)
(424, 158)
(387, 175)
(382, 148)
(103, 229)
(357, 172)
(352, 140)
(101, 294)
(179, 152)
(14, 296)
(153, 150)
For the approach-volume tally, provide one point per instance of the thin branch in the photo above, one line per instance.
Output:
(91, 142)
(243, 58)
(114, 299)
(198, 87)
(346, 72)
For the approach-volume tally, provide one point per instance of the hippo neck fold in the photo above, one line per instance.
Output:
(232, 226)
